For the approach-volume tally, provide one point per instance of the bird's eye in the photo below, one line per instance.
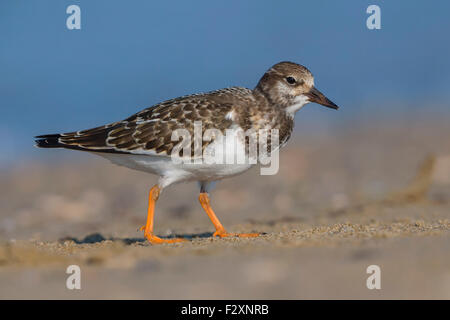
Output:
(290, 80)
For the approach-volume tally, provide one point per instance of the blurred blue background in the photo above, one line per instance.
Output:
(132, 54)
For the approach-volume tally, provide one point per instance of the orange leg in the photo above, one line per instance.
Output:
(148, 228)
(220, 230)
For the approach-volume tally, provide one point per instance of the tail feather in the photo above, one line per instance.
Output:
(48, 141)
(95, 142)
(54, 141)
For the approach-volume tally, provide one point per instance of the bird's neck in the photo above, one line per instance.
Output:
(274, 114)
(296, 105)
(286, 104)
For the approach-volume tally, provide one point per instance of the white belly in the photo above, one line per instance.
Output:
(172, 172)
(225, 157)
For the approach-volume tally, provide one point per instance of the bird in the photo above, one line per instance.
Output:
(144, 141)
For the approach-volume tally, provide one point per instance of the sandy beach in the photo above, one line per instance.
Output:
(340, 203)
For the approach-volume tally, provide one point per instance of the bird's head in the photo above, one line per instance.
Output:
(291, 86)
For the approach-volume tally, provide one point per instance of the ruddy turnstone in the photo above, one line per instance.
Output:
(144, 140)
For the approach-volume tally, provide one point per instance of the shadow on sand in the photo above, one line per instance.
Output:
(97, 238)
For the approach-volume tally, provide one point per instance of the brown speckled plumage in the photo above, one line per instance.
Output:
(150, 130)
(144, 140)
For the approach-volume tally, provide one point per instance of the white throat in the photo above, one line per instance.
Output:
(299, 102)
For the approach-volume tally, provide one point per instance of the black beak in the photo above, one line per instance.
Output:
(316, 96)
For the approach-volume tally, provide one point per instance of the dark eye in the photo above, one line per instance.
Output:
(290, 80)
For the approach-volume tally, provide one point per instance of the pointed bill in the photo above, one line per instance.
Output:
(316, 96)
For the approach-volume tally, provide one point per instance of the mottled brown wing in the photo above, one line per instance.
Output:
(150, 130)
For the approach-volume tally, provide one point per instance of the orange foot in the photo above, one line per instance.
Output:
(157, 240)
(223, 233)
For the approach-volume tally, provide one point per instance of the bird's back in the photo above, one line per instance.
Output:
(150, 130)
